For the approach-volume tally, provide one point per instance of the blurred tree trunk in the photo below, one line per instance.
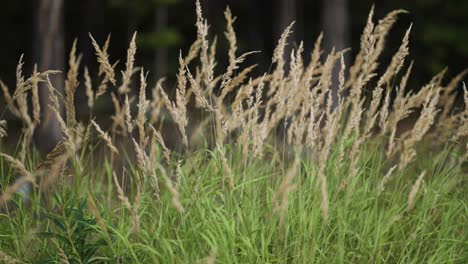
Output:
(50, 54)
(160, 56)
(214, 12)
(299, 25)
(259, 30)
(336, 33)
(284, 13)
(90, 22)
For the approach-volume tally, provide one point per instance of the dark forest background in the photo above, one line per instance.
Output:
(439, 37)
(44, 30)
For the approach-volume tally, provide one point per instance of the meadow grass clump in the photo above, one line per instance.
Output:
(283, 167)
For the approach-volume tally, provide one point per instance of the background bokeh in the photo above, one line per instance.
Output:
(439, 35)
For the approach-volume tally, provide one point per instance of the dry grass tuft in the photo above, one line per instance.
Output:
(8, 259)
(282, 194)
(25, 177)
(63, 257)
(412, 197)
(95, 212)
(126, 202)
(158, 139)
(103, 59)
(385, 179)
(172, 189)
(89, 88)
(227, 169)
(71, 83)
(129, 71)
(3, 128)
(104, 136)
(142, 109)
(178, 110)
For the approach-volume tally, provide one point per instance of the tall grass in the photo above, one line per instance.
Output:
(282, 167)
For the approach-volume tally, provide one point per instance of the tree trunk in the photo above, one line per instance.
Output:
(336, 33)
(259, 32)
(90, 22)
(160, 55)
(213, 12)
(50, 55)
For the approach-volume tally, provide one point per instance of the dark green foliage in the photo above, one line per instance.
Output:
(73, 231)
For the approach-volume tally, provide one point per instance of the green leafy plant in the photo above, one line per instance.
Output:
(75, 234)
